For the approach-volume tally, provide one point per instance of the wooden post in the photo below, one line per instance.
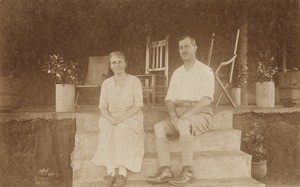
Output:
(242, 59)
(284, 57)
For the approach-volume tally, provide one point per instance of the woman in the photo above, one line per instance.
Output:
(121, 136)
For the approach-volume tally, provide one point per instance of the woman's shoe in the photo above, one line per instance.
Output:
(109, 180)
(120, 180)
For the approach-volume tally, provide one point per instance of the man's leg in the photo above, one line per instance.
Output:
(187, 149)
(186, 142)
(161, 130)
(164, 174)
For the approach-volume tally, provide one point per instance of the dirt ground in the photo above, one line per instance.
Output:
(32, 145)
(282, 138)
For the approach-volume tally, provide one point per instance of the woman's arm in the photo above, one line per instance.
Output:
(137, 100)
(127, 114)
(105, 113)
(116, 120)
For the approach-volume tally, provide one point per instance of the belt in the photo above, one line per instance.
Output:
(186, 104)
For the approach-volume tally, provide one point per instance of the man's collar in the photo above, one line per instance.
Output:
(189, 66)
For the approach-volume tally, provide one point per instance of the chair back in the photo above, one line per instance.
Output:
(98, 65)
(157, 57)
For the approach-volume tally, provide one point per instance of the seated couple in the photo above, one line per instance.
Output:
(121, 136)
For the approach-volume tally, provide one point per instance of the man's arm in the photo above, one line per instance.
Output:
(199, 107)
(170, 105)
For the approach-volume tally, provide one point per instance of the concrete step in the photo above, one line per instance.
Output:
(215, 140)
(235, 182)
(207, 165)
(88, 121)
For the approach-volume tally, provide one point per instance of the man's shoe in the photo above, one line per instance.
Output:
(120, 180)
(109, 180)
(186, 176)
(163, 175)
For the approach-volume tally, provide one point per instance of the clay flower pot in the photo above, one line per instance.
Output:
(265, 94)
(259, 169)
(236, 95)
(65, 98)
(44, 181)
(44, 178)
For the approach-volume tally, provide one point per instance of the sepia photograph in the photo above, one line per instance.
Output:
(149, 93)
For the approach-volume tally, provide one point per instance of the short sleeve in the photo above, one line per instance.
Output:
(103, 101)
(209, 86)
(137, 93)
(171, 94)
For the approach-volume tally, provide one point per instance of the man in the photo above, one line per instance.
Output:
(189, 96)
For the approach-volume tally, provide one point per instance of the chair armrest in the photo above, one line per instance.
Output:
(87, 86)
(225, 64)
(150, 75)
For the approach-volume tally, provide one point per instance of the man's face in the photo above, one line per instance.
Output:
(187, 50)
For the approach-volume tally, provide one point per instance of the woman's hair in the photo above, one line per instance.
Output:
(118, 54)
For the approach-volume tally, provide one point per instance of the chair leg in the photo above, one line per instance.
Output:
(225, 91)
(77, 96)
(148, 100)
(82, 95)
(153, 100)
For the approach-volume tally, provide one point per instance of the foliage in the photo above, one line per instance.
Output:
(254, 143)
(43, 173)
(240, 75)
(63, 71)
(266, 57)
(294, 69)
(273, 33)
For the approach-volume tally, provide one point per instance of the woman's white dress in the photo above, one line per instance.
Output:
(122, 144)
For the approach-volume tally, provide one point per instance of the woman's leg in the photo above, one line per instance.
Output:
(129, 146)
(122, 171)
(110, 170)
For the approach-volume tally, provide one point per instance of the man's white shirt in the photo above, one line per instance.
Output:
(192, 84)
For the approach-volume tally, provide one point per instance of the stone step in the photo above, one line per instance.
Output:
(233, 182)
(207, 165)
(88, 121)
(215, 140)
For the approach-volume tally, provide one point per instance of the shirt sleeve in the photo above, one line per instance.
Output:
(137, 93)
(103, 101)
(171, 94)
(209, 86)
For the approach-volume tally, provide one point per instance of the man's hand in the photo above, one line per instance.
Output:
(193, 129)
(174, 120)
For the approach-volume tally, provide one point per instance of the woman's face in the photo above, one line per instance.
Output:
(117, 65)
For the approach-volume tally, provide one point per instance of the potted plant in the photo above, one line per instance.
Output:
(265, 86)
(239, 78)
(254, 144)
(44, 178)
(10, 93)
(11, 84)
(64, 73)
(289, 84)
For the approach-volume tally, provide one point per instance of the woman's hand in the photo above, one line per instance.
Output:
(117, 120)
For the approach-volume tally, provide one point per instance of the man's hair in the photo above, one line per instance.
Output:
(193, 41)
(118, 54)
